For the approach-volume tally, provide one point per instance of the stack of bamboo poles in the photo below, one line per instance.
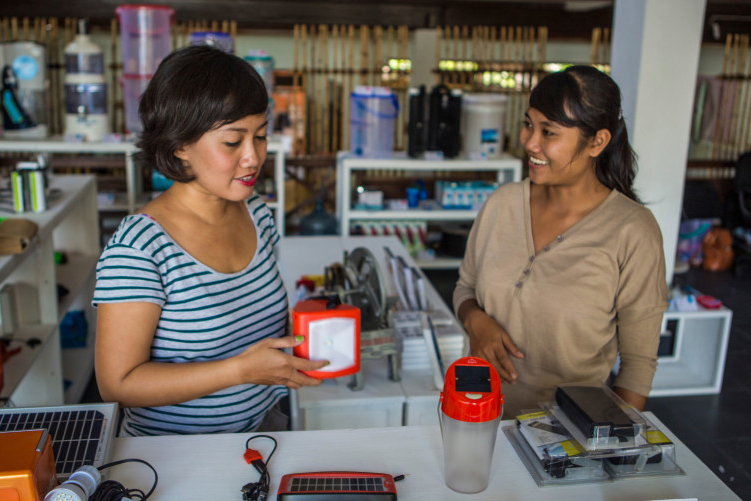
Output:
(599, 52)
(329, 62)
(732, 132)
(467, 58)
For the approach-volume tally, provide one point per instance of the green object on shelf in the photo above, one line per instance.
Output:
(61, 258)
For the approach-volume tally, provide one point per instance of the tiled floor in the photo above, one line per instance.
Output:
(717, 428)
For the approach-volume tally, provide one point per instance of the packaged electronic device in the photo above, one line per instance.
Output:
(596, 416)
(550, 453)
(590, 435)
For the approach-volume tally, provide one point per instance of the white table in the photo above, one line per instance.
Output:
(212, 466)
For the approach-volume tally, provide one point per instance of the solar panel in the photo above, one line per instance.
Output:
(337, 484)
(81, 434)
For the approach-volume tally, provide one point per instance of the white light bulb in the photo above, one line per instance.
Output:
(79, 486)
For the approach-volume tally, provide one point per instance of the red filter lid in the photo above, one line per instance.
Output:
(472, 391)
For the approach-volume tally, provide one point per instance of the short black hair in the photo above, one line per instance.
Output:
(194, 90)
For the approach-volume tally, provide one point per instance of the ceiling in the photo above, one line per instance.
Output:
(565, 19)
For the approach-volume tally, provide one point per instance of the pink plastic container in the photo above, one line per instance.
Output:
(145, 36)
(133, 88)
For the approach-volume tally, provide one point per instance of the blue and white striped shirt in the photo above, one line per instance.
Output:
(206, 315)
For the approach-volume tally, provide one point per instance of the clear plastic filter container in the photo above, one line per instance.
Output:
(145, 36)
(86, 99)
(373, 112)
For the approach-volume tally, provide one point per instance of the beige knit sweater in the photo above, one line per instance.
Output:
(597, 291)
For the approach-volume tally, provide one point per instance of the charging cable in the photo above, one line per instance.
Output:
(257, 491)
(85, 484)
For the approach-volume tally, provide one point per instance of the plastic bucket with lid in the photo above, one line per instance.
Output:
(482, 124)
(144, 36)
(372, 115)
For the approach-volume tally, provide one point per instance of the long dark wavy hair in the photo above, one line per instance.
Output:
(194, 90)
(586, 98)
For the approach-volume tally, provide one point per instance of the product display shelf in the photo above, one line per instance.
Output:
(35, 376)
(507, 169)
(696, 362)
(133, 196)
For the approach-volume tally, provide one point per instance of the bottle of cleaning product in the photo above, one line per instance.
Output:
(14, 113)
(85, 88)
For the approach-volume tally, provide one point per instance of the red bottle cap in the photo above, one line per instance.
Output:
(472, 391)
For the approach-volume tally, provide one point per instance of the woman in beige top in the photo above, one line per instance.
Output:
(564, 272)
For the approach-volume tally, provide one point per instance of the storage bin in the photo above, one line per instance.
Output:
(144, 36)
(373, 112)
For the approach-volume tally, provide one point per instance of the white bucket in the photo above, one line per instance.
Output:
(372, 115)
(482, 124)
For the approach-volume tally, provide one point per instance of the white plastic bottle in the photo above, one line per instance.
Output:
(85, 88)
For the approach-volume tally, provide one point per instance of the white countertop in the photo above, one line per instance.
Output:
(212, 466)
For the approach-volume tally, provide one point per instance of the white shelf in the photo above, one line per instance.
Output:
(16, 367)
(427, 215)
(57, 145)
(507, 169)
(439, 263)
(697, 362)
(35, 375)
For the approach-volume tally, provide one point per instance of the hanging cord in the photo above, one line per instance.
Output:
(111, 490)
(257, 491)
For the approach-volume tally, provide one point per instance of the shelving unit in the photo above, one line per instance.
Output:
(507, 169)
(37, 374)
(134, 196)
(696, 362)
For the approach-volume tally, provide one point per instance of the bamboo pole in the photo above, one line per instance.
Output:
(114, 87)
(335, 99)
(593, 46)
(325, 136)
(437, 65)
(364, 55)
(313, 91)
(721, 99)
(350, 82)
(737, 73)
(741, 97)
(304, 88)
(746, 136)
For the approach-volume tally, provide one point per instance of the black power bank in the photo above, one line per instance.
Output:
(590, 409)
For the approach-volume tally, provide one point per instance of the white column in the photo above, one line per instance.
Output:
(655, 56)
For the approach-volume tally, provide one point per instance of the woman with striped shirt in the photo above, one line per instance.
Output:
(192, 311)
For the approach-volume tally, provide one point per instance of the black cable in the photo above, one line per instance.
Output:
(259, 490)
(112, 490)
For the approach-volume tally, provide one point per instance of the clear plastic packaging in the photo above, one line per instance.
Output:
(558, 448)
(596, 417)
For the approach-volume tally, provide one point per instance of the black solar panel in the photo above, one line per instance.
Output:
(315, 484)
(80, 434)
